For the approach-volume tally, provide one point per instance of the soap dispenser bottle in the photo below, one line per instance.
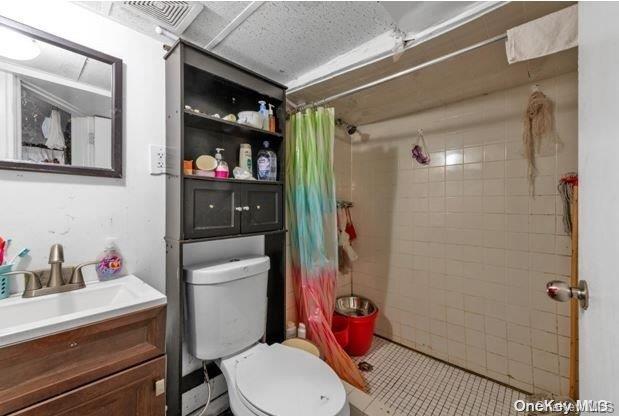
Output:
(110, 262)
(264, 114)
(272, 124)
(221, 170)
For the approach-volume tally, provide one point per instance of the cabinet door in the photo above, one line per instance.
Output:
(262, 208)
(212, 209)
(131, 392)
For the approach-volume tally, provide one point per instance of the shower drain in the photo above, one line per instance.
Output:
(365, 366)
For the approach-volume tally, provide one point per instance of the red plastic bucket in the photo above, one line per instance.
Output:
(360, 334)
(361, 315)
(339, 326)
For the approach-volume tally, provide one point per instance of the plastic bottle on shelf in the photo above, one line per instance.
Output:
(245, 160)
(264, 114)
(272, 122)
(267, 164)
(221, 171)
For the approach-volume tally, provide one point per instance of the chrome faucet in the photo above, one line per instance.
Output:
(56, 281)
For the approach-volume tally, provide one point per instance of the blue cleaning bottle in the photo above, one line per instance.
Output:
(264, 115)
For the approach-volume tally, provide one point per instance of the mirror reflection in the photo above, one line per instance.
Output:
(55, 104)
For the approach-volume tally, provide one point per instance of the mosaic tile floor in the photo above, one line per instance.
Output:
(410, 383)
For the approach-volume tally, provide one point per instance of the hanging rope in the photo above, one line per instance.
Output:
(538, 125)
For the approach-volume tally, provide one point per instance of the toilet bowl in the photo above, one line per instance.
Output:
(278, 380)
(226, 318)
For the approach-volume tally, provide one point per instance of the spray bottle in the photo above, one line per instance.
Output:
(264, 114)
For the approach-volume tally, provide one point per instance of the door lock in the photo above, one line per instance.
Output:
(562, 292)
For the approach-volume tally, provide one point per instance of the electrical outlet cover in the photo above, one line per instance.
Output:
(158, 160)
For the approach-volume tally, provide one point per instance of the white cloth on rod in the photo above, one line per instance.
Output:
(55, 138)
(549, 34)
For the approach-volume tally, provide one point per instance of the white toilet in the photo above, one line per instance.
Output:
(226, 314)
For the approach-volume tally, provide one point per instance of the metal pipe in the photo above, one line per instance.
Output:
(234, 23)
(406, 71)
(419, 39)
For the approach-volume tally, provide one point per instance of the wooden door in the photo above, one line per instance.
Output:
(212, 208)
(598, 128)
(262, 208)
(128, 393)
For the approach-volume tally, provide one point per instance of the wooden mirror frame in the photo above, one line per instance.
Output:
(116, 170)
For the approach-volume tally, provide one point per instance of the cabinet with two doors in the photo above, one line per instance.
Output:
(216, 208)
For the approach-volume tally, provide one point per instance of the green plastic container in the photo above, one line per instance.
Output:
(4, 281)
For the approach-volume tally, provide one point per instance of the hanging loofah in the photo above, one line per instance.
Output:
(539, 124)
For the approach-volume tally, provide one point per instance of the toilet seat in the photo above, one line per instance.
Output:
(283, 381)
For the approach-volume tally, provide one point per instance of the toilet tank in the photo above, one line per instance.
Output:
(226, 306)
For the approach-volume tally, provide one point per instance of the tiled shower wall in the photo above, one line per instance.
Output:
(342, 159)
(457, 254)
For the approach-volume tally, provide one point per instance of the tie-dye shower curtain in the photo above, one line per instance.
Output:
(311, 209)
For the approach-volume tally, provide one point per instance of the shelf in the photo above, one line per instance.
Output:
(232, 180)
(203, 121)
(228, 237)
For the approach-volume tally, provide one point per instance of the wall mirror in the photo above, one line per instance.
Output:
(60, 105)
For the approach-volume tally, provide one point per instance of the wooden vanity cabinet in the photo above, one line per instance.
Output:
(128, 393)
(112, 367)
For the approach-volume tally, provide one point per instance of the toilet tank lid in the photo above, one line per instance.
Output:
(222, 271)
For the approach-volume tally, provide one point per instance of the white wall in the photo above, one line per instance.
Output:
(599, 195)
(457, 254)
(38, 210)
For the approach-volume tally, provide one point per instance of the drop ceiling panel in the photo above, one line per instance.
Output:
(214, 17)
(68, 65)
(477, 72)
(284, 39)
(97, 73)
(416, 16)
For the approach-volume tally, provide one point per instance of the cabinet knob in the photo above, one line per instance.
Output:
(257, 206)
(159, 387)
(211, 206)
(238, 209)
(246, 208)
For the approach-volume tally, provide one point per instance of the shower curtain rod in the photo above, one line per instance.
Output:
(404, 72)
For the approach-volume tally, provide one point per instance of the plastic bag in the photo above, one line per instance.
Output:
(420, 150)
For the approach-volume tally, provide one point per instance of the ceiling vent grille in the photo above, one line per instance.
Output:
(174, 16)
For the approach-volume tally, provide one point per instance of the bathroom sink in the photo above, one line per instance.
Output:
(22, 319)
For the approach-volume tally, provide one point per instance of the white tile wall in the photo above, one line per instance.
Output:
(457, 254)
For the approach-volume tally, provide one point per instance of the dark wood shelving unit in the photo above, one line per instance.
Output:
(204, 121)
(232, 180)
(201, 209)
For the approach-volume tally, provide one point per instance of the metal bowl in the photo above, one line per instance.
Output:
(354, 306)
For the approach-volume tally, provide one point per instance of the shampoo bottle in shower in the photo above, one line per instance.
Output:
(110, 262)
